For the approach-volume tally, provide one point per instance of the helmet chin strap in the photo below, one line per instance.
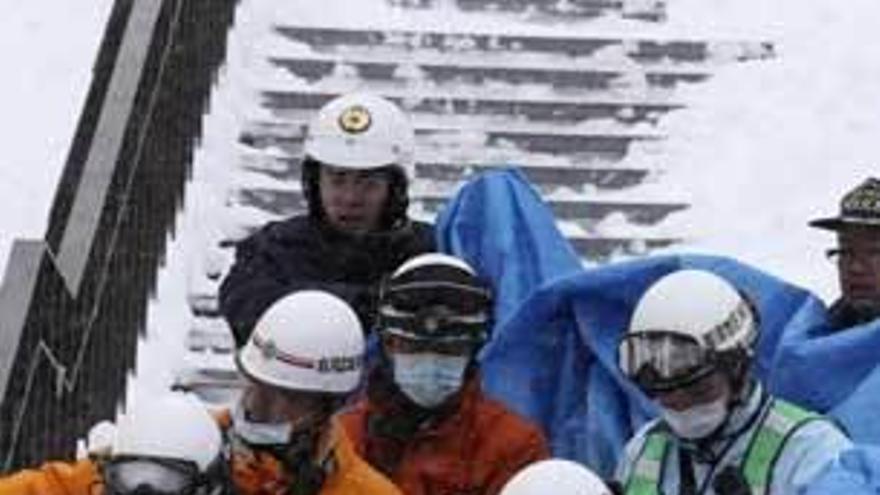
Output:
(741, 388)
(307, 474)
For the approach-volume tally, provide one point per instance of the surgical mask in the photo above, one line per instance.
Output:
(428, 378)
(697, 422)
(258, 433)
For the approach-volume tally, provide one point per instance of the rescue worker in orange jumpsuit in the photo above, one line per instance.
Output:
(425, 422)
(303, 358)
(165, 446)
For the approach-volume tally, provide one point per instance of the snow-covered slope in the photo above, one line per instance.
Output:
(762, 147)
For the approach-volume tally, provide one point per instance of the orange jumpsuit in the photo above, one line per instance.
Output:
(55, 478)
(474, 449)
(253, 473)
(259, 473)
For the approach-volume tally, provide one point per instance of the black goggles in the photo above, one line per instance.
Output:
(399, 341)
(660, 361)
(151, 475)
(459, 298)
(435, 324)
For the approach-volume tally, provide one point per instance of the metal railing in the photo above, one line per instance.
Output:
(73, 305)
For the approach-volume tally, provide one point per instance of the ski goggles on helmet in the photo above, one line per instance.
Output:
(145, 475)
(460, 297)
(396, 340)
(660, 361)
(432, 329)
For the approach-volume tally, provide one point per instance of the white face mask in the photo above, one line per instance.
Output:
(427, 378)
(697, 422)
(257, 433)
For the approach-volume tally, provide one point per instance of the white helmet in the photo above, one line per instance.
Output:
(173, 426)
(427, 259)
(681, 325)
(306, 341)
(362, 131)
(555, 476)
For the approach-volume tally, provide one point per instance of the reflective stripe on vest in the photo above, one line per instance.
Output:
(645, 476)
(760, 458)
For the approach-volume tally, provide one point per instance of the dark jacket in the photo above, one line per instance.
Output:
(843, 315)
(301, 253)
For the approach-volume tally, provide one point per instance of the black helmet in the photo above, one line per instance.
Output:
(435, 297)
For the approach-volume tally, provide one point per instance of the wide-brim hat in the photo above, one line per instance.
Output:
(859, 208)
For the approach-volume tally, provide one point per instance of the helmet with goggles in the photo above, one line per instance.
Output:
(687, 325)
(166, 445)
(308, 341)
(436, 299)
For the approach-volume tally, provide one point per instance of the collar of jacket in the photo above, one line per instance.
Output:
(843, 315)
(387, 401)
(741, 420)
(375, 238)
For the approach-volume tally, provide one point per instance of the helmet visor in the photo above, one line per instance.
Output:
(660, 361)
(136, 474)
(459, 298)
(400, 341)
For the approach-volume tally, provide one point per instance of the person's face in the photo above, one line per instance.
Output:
(710, 388)
(354, 200)
(858, 264)
(264, 404)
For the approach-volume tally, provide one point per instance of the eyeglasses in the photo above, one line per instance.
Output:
(160, 475)
(836, 254)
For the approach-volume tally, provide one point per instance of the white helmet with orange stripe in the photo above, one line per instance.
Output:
(309, 341)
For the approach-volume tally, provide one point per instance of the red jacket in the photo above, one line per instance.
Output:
(473, 448)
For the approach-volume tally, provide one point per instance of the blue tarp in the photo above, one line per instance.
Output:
(856, 472)
(498, 223)
(553, 353)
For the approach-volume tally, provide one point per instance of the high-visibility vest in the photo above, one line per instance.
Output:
(757, 464)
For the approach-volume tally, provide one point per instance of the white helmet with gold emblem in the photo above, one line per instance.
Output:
(306, 341)
(361, 131)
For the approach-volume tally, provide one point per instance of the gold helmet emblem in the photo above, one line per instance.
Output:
(355, 119)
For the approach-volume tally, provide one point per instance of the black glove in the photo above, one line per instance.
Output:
(730, 481)
(615, 486)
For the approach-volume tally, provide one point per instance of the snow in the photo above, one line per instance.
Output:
(41, 94)
(764, 147)
(769, 145)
